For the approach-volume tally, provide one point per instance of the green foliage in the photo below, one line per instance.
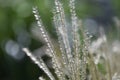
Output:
(101, 68)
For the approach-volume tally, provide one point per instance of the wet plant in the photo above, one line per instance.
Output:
(72, 59)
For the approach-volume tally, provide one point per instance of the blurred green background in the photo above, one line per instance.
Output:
(16, 21)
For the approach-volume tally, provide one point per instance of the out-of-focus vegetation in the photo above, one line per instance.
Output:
(16, 20)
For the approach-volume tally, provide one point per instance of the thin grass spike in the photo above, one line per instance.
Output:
(76, 39)
(56, 64)
(61, 27)
(40, 63)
